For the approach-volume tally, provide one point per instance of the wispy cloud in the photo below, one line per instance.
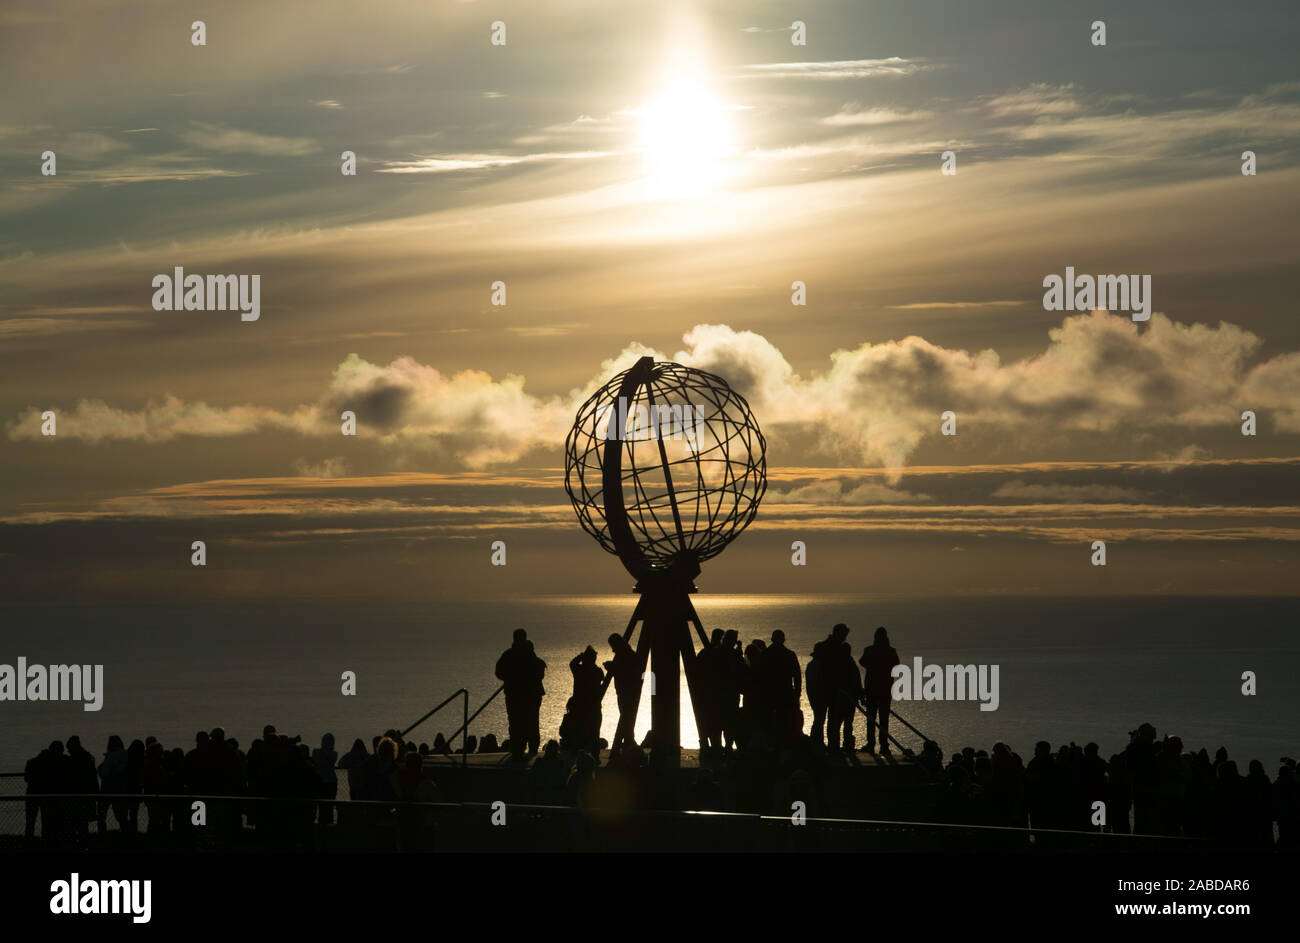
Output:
(837, 69)
(854, 115)
(461, 162)
(214, 137)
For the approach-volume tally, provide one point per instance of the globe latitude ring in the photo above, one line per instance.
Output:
(665, 466)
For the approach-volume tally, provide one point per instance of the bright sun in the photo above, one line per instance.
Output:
(685, 141)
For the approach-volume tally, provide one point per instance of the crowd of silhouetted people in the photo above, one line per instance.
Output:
(1163, 788)
(745, 696)
(755, 756)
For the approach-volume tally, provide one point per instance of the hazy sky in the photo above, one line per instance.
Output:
(647, 178)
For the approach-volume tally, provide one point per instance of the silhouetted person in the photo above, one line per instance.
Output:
(732, 681)
(1119, 794)
(134, 780)
(521, 671)
(781, 681)
(878, 661)
(845, 689)
(625, 667)
(112, 781)
(548, 775)
(1228, 807)
(1092, 783)
(155, 780)
(1259, 807)
(323, 760)
(1140, 762)
(1286, 806)
(709, 668)
(819, 683)
(43, 773)
(1043, 788)
(585, 703)
(1006, 787)
(80, 777)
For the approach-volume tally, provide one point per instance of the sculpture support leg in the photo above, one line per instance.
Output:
(665, 702)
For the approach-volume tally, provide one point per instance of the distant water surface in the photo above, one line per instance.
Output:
(1070, 669)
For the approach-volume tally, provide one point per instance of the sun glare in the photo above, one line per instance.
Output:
(685, 141)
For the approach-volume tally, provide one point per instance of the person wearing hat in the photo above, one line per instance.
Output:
(878, 661)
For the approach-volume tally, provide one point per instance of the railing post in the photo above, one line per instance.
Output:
(464, 742)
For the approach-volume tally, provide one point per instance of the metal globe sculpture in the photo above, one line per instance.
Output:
(665, 466)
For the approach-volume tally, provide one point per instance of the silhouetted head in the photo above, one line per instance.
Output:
(730, 636)
(358, 744)
(268, 732)
(840, 632)
(74, 743)
(327, 741)
(56, 747)
(1042, 748)
(778, 637)
(386, 749)
(881, 637)
(217, 736)
(614, 639)
(520, 636)
(588, 656)
(716, 638)
(551, 749)
(114, 743)
(1091, 749)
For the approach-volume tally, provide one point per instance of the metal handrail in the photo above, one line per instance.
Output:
(629, 813)
(465, 727)
(462, 693)
(906, 751)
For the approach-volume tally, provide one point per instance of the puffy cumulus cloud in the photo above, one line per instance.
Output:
(873, 405)
(1099, 372)
(469, 415)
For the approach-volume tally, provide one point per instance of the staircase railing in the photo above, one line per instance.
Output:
(463, 693)
(464, 728)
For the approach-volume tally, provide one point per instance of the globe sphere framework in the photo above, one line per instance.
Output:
(690, 462)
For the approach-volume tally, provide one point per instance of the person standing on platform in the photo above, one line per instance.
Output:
(519, 672)
(878, 661)
(626, 670)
